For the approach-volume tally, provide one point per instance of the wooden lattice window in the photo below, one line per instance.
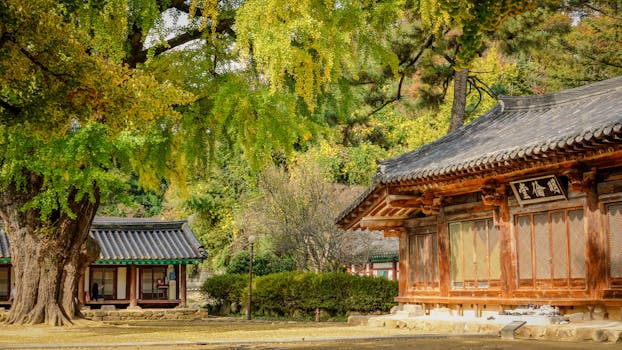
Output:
(614, 236)
(105, 278)
(149, 281)
(550, 249)
(423, 252)
(475, 254)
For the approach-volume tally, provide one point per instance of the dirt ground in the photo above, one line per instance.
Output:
(231, 333)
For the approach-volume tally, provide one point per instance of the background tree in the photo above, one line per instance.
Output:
(294, 212)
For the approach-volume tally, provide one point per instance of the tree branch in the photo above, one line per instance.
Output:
(140, 55)
(61, 76)
(427, 44)
(478, 84)
(12, 109)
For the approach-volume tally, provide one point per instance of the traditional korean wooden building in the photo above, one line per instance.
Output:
(382, 264)
(374, 255)
(142, 263)
(521, 206)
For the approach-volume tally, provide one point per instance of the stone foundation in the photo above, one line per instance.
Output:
(145, 314)
(445, 321)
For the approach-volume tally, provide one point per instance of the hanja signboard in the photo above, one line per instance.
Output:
(539, 189)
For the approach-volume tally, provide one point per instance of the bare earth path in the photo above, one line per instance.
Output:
(230, 333)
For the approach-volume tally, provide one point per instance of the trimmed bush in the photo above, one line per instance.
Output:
(300, 293)
(369, 294)
(225, 291)
(263, 264)
(276, 294)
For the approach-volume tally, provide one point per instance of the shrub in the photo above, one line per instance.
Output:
(296, 293)
(276, 294)
(263, 264)
(223, 291)
(369, 294)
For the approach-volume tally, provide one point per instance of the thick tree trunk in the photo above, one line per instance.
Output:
(459, 105)
(46, 256)
(73, 270)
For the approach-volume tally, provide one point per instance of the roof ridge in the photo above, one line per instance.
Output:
(577, 94)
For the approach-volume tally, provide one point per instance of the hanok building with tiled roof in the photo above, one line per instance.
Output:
(521, 206)
(142, 262)
(374, 255)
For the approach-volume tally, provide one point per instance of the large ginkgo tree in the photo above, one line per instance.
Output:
(72, 120)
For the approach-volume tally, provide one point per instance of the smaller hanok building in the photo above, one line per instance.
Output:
(522, 206)
(380, 264)
(142, 263)
(374, 256)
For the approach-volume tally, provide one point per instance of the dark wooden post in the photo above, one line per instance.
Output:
(182, 285)
(495, 195)
(584, 181)
(404, 262)
(133, 299)
(596, 268)
(443, 253)
(508, 275)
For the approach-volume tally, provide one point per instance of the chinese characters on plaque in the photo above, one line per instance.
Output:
(540, 189)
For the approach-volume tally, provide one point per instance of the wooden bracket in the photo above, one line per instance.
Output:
(394, 232)
(580, 180)
(430, 204)
(493, 193)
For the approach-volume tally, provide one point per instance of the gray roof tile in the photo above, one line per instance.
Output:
(145, 239)
(138, 239)
(516, 129)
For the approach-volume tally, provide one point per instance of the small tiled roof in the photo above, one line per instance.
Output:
(385, 257)
(516, 129)
(139, 241)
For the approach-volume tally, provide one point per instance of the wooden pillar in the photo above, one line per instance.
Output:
(81, 296)
(583, 180)
(508, 272)
(443, 253)
(182, 285)
(405, 267)
(495, 195)
(596, 268)
(133, 289)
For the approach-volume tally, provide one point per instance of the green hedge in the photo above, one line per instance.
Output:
(224, 291)
(296, 293)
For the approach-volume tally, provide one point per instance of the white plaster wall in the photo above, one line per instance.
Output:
(384, 265)
(121, 283)
(87, 279)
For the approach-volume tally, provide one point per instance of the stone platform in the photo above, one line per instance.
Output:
(145, 314)
(535, 327)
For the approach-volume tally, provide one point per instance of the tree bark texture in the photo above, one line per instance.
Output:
(47, 256)
(459, 105)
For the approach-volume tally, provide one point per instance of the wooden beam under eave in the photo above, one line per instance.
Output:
(402, 201)
(393, 232)
(382, 223)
